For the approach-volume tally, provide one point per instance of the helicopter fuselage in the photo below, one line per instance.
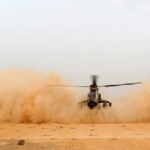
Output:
(94, 98)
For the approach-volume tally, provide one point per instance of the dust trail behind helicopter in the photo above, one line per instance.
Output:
(26, 97)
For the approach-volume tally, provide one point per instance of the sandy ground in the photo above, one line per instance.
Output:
(75, 136)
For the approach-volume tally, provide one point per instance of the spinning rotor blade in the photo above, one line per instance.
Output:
(69, 86)
(112, 85)
(94, 79)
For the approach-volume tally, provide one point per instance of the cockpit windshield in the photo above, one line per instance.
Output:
(92, 95)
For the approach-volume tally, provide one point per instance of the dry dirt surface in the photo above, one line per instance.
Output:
(75, 136)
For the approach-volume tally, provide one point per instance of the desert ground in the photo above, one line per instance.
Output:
(29, 100)
(75, 136)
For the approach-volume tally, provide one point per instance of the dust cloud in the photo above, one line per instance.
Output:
(25, 97)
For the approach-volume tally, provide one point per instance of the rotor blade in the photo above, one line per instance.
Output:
(112, 85)
(69, 86)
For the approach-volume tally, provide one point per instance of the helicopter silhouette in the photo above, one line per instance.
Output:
(94, 97)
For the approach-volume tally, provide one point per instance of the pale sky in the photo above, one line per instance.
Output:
(77, 38)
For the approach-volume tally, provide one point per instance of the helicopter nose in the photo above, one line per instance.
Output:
(92, 104)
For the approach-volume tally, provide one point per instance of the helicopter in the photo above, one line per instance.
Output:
(94, 98)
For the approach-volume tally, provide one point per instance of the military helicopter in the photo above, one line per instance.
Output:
(94, 98)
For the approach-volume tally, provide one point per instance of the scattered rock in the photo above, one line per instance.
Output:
(114, 139)
(129, 129)
(90, 134)
(21, 142)
(73, 139)
(91, 129)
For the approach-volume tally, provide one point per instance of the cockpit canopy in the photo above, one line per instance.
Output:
(93, 88)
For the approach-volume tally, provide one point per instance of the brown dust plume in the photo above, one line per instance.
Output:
(26, 97)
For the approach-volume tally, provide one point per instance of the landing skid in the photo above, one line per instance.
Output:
(105, 103)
